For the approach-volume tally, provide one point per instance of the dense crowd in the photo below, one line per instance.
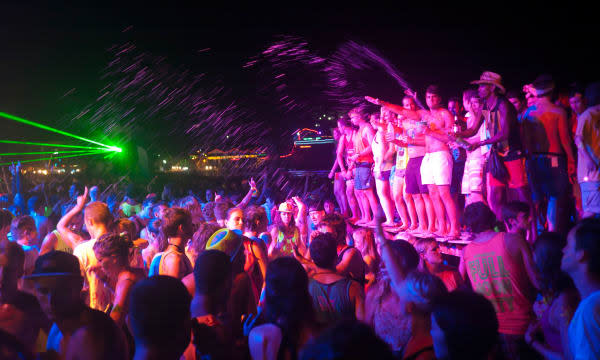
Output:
(222, 276)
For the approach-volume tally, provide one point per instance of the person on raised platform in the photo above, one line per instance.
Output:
(416, 195)
(345, 149)
(436, 167)
(363, 162)
(383, 157)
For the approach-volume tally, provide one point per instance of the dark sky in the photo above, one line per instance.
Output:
(48, 51)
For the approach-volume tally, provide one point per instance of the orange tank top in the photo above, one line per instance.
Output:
(495, 274)
(360, 144)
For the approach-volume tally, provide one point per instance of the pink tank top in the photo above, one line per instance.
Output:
(360, 144)
(495, 274)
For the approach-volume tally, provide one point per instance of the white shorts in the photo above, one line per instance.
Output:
(472, 180)
(436, 168)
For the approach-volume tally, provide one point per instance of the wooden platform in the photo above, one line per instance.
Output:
(447, 247)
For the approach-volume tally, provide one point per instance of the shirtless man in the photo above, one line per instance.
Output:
(363, 162)
(436, 167)
(550, 157)
(345, 149)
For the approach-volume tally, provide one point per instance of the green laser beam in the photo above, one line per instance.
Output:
(50, 152)
(52, 145)
(48, 128)
(53, 158)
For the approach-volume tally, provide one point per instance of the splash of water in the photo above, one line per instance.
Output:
(356, 70)
(157, 106)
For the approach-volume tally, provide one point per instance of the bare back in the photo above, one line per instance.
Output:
(541, 124)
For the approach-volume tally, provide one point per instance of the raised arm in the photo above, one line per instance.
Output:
(394, 269)
(301, 221)
(49, 243)
(398, 109)
(242, 204)
(71, 237)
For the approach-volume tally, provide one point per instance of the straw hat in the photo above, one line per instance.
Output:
(491, 78)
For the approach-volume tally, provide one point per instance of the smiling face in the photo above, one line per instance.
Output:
(235, 221)
(286, 217)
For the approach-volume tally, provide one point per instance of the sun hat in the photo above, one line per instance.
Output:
(488, 77)
(285, 207)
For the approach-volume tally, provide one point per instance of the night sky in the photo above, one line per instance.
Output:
(47, 52)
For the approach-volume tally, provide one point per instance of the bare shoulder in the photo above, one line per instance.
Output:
(444, 113)
(171, 257)
(51, 236)
(423, 112)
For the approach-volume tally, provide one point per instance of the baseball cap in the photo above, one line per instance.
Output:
(56, 263)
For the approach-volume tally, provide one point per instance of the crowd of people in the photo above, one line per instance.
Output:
(215, 276)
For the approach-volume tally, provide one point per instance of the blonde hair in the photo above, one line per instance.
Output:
(422, 289)
(369, 247)
(422, 244)
(98, 213)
